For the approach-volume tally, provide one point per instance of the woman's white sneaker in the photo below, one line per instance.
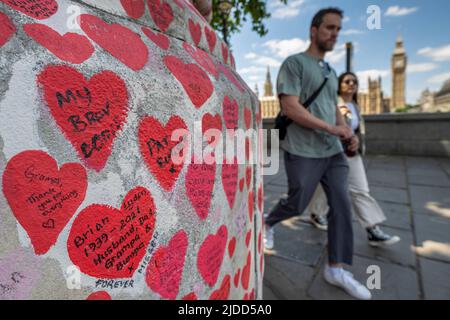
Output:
(268, 237)
(344, 279)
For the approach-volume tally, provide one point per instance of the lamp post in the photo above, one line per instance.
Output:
(225, 7)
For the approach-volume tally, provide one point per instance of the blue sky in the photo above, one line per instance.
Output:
(424, 26)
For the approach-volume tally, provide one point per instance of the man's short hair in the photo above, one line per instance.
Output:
(318, 17)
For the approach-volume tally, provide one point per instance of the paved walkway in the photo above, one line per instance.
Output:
(414, 192)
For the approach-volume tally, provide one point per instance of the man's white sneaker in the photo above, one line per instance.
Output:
(344, 279)
(268, 237)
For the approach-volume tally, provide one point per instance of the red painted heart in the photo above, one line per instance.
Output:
(232, 77)
(41, 9)
(71, 47)
(247, 117)
(122, 43)
(248, 149)
(224, 53)
(230, 174)
(236, 278)
(134, 8)
(211, 122)
(156, 147)
(251, 205)
(248, 176)
(231, 247)
(106, 242)
(199, 187)
(210, 255)
(43, 198)
(260, 198)
(89, 113)
(179, 4)
(223, 292)
(190, 296)
(261, 264)
(202, 58)
(166, 266)
(232, 62)
(259, 242)
(248, 237)
(99, 295)
(7, 29)
(161, 13)
(246, 272)
(196, 31)
(210, 38)
(241, 184)
(159, 39)
(194, 80)
(230, 113)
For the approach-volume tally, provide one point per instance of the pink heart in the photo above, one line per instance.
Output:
(210, 255)
(248, 238)
(236, 278)
(166, 266)
(71, 47)
(199, 187)
(159, 39)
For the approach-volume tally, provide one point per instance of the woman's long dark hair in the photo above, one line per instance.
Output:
(341, 79)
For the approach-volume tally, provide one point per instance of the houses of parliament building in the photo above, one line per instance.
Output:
(372, 101)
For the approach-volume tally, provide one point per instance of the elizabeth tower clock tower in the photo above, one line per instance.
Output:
(398, 75)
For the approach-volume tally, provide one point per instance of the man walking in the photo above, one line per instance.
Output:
(313, 150)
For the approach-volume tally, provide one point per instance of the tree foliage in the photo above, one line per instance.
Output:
(242, 10)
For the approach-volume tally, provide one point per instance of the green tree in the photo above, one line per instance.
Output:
(227, 24)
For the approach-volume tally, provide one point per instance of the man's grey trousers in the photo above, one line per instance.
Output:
(304, 174)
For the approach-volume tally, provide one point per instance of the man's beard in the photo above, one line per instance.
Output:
(322, 45)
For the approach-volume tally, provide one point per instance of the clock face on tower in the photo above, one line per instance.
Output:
(399, 63)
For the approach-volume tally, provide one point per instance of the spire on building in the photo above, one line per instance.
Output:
(268, 90)
(399, 49)
(256, 90)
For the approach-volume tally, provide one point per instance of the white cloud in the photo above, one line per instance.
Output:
(437, 54)
(285, 48)
(363, 76)
(262, 60)
(337, 55)
(439, 78)
(396, 11)
(346, 19)
(421, 67)
(251, 70)
(283, 11)
(350, 32)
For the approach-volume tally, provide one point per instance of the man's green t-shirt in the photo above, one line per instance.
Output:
(301, 75)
